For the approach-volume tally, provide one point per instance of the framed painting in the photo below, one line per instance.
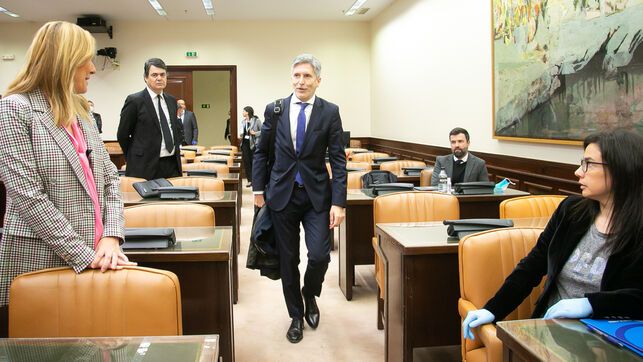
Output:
(563, 69)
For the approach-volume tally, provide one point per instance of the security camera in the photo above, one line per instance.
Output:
(107, 52)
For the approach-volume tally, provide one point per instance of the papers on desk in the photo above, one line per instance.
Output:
(625, 333)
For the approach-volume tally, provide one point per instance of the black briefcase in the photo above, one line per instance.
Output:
(148, 188)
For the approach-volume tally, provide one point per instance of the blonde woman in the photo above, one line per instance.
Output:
(63, 199)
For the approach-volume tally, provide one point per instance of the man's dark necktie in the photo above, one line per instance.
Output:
(301, 133)
(459, 162)
(165, 128)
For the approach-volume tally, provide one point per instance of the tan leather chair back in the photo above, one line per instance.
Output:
(425, 177)
(354, 179)
(350, 150)
(366, 166)
(189, 155)
(202, 183)
(168, 214)
(57, 302)
(218, 167)
(396, 166)
(127, 181)
(415, 207)
(229, 159)
(367, 157)
(225, 147)
(530, 206)
(485, 259)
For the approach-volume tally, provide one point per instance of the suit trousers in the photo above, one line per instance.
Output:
(168, 167)
(246, 155)
(286, 223)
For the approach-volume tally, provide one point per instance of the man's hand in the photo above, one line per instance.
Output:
(259, 200)
(109, 255)
(337, 215)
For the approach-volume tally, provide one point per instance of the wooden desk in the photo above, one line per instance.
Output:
(356, 231)
(202, 260)
(158, 348)
(225, 214)
(556, 340)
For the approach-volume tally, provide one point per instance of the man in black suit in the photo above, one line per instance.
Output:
(97, 117)
(461, 165)
(297, 187)
(149, 132)
(190, 127)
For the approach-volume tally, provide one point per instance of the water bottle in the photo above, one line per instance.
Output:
(442, 183)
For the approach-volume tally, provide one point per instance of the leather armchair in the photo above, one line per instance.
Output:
(530, 206)
(160, 214)
(350, 150)
(202, 183)
(361, 165)
(367, 157)
(425, 177)
(354, 179)
(188, 155)
(396, 166)
(218, 167)
(57, 302)
(127, 181)
(485, 259)
(408, 207)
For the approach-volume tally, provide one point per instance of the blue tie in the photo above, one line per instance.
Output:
(301, 133)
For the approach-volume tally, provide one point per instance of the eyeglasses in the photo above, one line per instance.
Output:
(584, 164)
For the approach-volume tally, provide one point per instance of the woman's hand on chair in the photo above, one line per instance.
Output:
(109, 255)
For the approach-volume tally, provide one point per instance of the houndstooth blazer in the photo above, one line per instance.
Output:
(49, 218)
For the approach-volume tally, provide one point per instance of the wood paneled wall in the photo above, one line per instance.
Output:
(534, 176)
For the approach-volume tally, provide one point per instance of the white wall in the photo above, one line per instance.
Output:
(431, 72)
(262, 51)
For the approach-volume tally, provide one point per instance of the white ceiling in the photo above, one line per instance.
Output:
(187, 10)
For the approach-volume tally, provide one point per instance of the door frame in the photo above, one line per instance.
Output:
(232, 69)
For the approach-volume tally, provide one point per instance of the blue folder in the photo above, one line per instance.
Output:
(625, 333)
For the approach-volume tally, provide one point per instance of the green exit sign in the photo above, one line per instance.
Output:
(205, 105)
(190, 54)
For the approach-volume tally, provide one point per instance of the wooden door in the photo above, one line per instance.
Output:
(179, 85)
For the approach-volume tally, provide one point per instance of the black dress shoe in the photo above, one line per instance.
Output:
(296, 330)
(312, 312)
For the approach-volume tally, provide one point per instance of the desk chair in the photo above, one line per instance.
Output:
(218, 167)
(485, 259)
(168, 214)
(229, 159)
(396, 166)
(189, 155)
(407, 207)
(57, 302)
(360, 165)
(127, 181)
(367, 157)
(202, 183)
(530, 206)
(354, 179)
(425, 177)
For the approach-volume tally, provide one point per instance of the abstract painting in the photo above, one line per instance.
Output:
(563, 69)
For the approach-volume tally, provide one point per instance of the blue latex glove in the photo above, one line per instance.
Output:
(475, 318)
(193, 142)
(570, 308)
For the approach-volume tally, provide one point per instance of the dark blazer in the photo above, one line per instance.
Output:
(621, 291)
(475, 170)
(324, 131)
(190, 128)
(99, 121)
(139, 134)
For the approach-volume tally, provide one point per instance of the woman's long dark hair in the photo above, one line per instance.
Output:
(622, 151)
(251, 112)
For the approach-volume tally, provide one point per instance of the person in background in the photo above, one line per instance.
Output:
(97, 117)
(461, 165)
(188, 120)
(64, 204)
(249, 133)
(149, 132)
(591, 251)
(226, 133)
(297, 187)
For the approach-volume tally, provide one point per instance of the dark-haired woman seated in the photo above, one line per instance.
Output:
(592, 248)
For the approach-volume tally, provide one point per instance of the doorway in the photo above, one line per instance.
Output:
(210, 91)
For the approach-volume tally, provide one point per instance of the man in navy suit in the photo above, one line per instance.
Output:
(297, 187)
(149, 132)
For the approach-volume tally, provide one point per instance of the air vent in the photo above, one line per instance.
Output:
(362, 11)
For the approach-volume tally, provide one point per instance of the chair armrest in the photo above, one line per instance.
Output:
(493, 345)
(464, 307)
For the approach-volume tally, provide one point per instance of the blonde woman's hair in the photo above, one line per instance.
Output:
(58, 49)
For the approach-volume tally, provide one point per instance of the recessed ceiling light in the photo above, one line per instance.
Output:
(208, 6)
(356, 5)
(157, 6)
(5, 11)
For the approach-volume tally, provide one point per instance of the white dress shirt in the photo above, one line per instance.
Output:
(294, 113)
(155, 101)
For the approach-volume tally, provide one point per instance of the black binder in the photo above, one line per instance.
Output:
(414, 171)
(208, 173)
(178, 192)
(463, 227)
(382, 189)
(216, 160)
(378, 160)
(474, 188)
(149, 238)
(219, 152)
(148, 188)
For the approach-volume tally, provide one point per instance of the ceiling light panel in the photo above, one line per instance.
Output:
(208, 6)
(7, 12)
(158, 7)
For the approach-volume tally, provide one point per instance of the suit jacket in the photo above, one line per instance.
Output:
(324, 132)
(255, 126)
(475, 170)
(190, 128)
(139, 134)
(621, 290)
(99, 121)
(49, 220)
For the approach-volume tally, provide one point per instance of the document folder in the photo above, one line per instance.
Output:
(625, 333)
